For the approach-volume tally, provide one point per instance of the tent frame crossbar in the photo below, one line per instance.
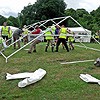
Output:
(42, 23)
(7, 57)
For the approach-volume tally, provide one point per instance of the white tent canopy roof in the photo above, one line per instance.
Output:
(78, 29)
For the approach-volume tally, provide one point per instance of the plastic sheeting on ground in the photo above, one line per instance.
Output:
(18, 76)
(38, 75)
(30, 78)
(89, 79)
(4, 44)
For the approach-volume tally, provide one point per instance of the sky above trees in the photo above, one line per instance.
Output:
(12, 7)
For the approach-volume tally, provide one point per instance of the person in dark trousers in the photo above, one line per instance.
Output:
(49, 38)
(5, 31)
(62, 38)
(71, 40)
(57, 33)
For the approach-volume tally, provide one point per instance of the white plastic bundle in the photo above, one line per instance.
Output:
(18, 76)
(4, 44)
(30, 78)
(38, 75)
(88, 78)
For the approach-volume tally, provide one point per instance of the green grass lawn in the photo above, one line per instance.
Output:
(61, 82)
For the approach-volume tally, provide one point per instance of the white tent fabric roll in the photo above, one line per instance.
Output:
(88, 78)
(99, 82)
(4, 44)
(37, 75)
(18, 76)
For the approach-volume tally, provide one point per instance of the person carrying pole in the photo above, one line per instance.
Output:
(62, 38)
(37, 32)
(49, 38)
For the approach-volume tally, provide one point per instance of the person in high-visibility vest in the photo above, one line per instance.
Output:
(5, 31)
(53, 28)
(25, 39)
(96, 36)
(49, 38)
(10, 36)
(71, 40)
(62, 38)
(99, 34)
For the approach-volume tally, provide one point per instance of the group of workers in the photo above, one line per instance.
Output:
(54, 35)
(7, 35)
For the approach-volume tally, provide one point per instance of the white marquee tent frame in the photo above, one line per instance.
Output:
(42, 23)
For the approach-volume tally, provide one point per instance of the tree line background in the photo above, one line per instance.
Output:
(48, 9)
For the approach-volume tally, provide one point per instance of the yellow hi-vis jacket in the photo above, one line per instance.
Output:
(48, 34)
(96, 36)
(53, 29)
(71, 38)
(5, 31)
(1, 40)
(63, 32)
(10, 34)
(25, 31)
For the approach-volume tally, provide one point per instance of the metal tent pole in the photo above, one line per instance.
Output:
(24, 46)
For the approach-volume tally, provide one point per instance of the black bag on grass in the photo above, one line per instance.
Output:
(97, 62)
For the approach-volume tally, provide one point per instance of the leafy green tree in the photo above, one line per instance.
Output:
(90, 20)
(28, 14)
(42, 10)
(81, 12)
(96, 20)
(14, 21)
(10, 23)
(50, 8)
(2, 19)
(71, 12)
(20, 20)
(96, 16)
